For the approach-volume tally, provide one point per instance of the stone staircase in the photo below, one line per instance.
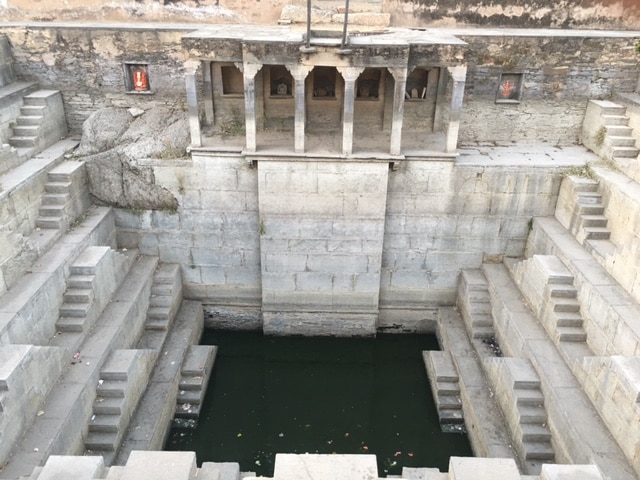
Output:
(166, 292)
(474, 304)
(195, 373)
(122, 381)
(65, 198)
(606, 130)
(518, 391)
(93, 277)
(41, 122)
(548, 287)
(445, 387)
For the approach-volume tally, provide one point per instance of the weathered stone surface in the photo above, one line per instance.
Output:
(114, 176)
(101, 131)
(115, 181)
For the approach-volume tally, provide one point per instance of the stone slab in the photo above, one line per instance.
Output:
(466, 468)
(66, 467)
(570, 472)
(160, 466)
(323, 467)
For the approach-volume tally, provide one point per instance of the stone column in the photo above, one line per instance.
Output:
(191, 68)
(208, 93)
(458, 76)
(399, 87)
(350, 75)
(249, 71)
(299, 73)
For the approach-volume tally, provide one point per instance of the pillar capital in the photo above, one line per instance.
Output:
(250, 70)
(350, 74)
(398, 74)
(299, 72)
(191, 67)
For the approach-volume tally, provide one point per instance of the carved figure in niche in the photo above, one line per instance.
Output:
(507, 89)
(281, 89)
(140, 80)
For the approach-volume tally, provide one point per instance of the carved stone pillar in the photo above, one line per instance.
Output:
(299, 73)
(191, 69)
(458, 77)
(350, 75)
(250, 71)
(399, 87)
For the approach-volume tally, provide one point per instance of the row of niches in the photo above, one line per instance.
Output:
(421, 83)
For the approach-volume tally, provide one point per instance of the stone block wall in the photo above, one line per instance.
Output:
(443, 217)
(6, 62)
(559, 75)
(88, 65)
(322, 226)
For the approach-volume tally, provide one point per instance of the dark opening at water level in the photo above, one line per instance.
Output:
(271, 395)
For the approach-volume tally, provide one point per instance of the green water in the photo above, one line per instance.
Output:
(271, 395)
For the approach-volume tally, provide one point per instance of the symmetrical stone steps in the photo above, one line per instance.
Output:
(518, 390)
(166, 294)
(41, 121)
(474, 304)
(195, 373)
(122, 381)
(445, 387)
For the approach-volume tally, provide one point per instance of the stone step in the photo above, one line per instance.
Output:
(108, 405)
(451, 416)
(483, 332)
(449, 402)
(607, 107)
(594, 221)
(190, 396)
(563, 291)
(57, 187)
(110, 388)
(227, 471)
(51, 211)
(566, 305)
(531, 432)
(33, 111)
(482, 319)
(569, 319)
(618, 130)
(158, 313)
(590, 209)
(624, 152)
(39, 97)
(538, 451)
(191, 383)
(162, 289)
(157, 325)
(597, 233)
(160, 301)
(620, 141)
(104, 423)
(23, 142)
(81, 281)
(526, 396)
(589, 197)
(55, 198)
(49, 222)
(187, 410)
(612, 119)
(448, 388)
(24, 120)
(571, 334)
(78, 295)
(101, 441)
(26, 130)
(532, 414)
(74, 309)
(70, 324)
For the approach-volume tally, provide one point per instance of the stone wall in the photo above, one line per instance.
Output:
(335, 237)
(88, 65)
(560, 73)
(598, 14)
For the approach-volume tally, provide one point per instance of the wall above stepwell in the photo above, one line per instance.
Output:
(580, 14)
